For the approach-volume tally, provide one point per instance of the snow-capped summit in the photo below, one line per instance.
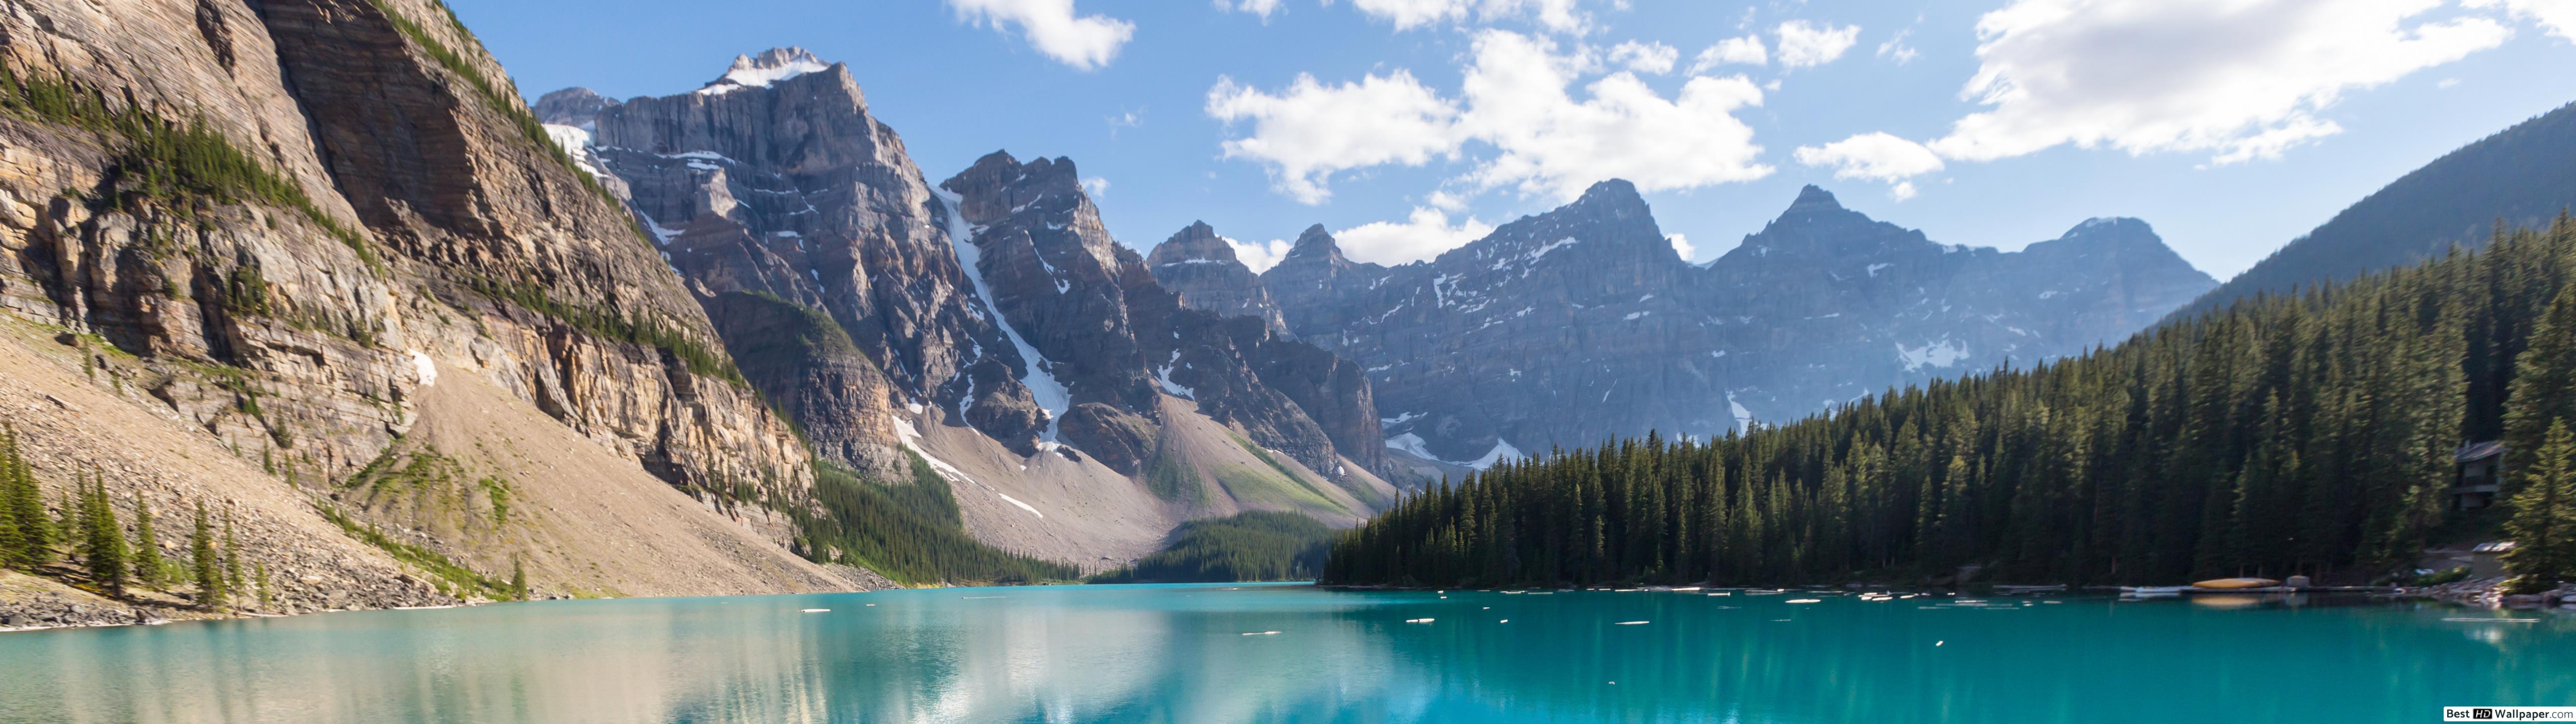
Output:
(771, 66)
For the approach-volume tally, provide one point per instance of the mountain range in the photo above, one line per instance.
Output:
(1564, 328)
(316, 267)
(876, 305)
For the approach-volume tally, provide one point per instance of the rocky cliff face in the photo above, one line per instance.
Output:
(1119, 338)
(281, 222)
(866, 301)
(774, 183)
(1201, 267)
(1579, 323)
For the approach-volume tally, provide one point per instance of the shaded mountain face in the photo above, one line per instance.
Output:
(1565, 328)
(2520, 177)
(859, 295)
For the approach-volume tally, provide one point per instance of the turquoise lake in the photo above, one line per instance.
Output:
(1181, 654)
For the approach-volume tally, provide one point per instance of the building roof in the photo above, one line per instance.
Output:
(2478, 452)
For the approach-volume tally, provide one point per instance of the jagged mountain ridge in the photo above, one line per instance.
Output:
(879, 309)
(1561, 329)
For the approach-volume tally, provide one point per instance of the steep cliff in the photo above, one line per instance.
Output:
(278, 226)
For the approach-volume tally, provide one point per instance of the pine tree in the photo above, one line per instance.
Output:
(2544, 515)
(150, 568)
(25, 503)
(103, 542)
(2544, 380)
(207, 570)
(518, 582)
(232, 558)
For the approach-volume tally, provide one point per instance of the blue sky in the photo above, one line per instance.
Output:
(2232, 125)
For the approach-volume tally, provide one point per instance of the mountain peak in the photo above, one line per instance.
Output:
(1813, 199)
(770, 66)
(1615, 195)
(574, 106)
(1315, 242)
(1196, 242)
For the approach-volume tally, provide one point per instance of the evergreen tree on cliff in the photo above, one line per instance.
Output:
(103, 542)
(149, 567)
(207, 571)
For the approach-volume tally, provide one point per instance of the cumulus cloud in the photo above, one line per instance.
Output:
(1747, 50)
(1563, 16)
(1805, 45)
(1311, 131)
(1423, 235)
(1682, 246)
(2558, 15)
(1539, 127)
(1095, 186)
(1650, 58)
(1085, 42)
(2240, 79)
(1260, 257)
(1874, 157)
(1549, 143)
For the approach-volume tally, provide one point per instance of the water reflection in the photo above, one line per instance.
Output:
(1181, 654)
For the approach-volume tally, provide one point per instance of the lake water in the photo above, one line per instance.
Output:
(1181, 654)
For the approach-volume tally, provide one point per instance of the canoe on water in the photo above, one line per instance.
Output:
(2237, 583)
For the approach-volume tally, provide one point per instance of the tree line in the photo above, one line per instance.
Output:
(2302, 433)
(1256, 545)
(80, 539)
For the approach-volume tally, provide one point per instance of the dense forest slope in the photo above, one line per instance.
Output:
(2310, 433)
(2519, 177)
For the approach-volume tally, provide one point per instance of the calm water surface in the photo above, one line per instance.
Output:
(1180, 654)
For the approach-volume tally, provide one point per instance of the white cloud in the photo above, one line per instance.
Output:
(1262, 255)
(2559, 16)
(1746, 50)
(1682, 246)
(1085, 42)
(1872, 155)
(1551, 143)
(1561, 16)
(1312, 130)
(1895, 48)
(1651, 58)
(1519, 103)
(1095, 186)
(1262, 8)
(1423, 235)
(2240, 79)
(1804, 45)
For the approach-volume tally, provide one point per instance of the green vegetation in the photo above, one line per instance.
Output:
(27, 534)
(911, 532)
(204, 565)
(161, 160)
(102, 548)
(1260, 545)
(2285, 434)
(1168, 479)
(620, 328)
(2544, 515)
(453, 577)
